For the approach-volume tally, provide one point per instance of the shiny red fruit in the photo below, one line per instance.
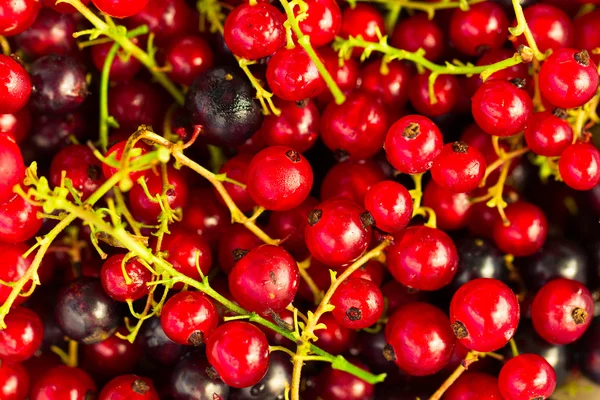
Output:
(552, 28)
(15, 85)
(129, 387)
(390, 204)
(459, 167)
(120, 8)
(481, 28)
(13, 269)
(63, 382)
(323, 21)
(526, 232)
(188, 57)
(297, 126)
(189, 318)
(19, 220)
(579, 166)
(22, 336)
(364, 20)
(527, 376)
(14, 381)
(419, 32)
(547, 134)
(358, 303)
(119, 287)
(472, 386)
(18, 15)
(451, 209)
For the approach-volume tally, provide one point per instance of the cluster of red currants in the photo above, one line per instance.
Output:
(303, 242)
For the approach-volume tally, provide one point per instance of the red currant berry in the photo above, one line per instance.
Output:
(254, 31)
(188, 57)
(279, 178)
(351, 180)
(419, 32)
(16, 16)
(63, 382)
(420, 340)
(446, 90)
(236, 236)
(480, 28)
(363, 20)
(579, 166)
(587, 33)
(239, 352)
(484, 314)
(474, 385)
(398, 295)
(292, 75)
(547, 134)
(134, 103)
(568, 78)
(335, 338)
(506, 74)
(355, 129)
(412, 143)
(166, 19)
(18, 220)
(189, 318)
(388, 83)
(562, 311)
(116, 151)
(390, 204)
(526, 232)
(51, 33)
(123, 68)
(187, 251)
(14, 381)
(345, 75)
(265, 279)
(22, 336)
(372, 271)
(120, 287)
(459, 167)
(15, 85)
(129, 387)
(323, 21)
(451, 209)
(358, 303)
(335, 384)
(14, 267)
(289, 226)
(205, 215)
(236, 168)
(297, 126)
(500, 108)
(81, 166)
(12, 167)
(338, 231)
(113, 356)
(16, 125)
(422, 258)
(551, 28)
(146, 210)
(527, 376)
(120, 8)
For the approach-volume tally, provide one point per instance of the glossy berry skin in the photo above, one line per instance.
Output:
(506, 74)
(446, 89)
(334, 384)
(187, 250)
(459, 167)
(18, 220)
(235, 237)
(336, 338)
(345, 75)
(14, 267)
(188, 56)
(116, 151)
(355, 129)
(14, 381)
(279, 178)
(390, 204)
(51, 33)
(568, 78)
(363, 20)
(167, 19)
(189, 318)
(562, 311)
(297, 126)
(236, 168)
(254, 31)
(121, 69)
(351, 180)
(120, 8)
(451, 209)
(117, 286)
(129, 387)
(60, 84)
(420, 340)
(484, 314)
(482, 27)
(82, 167)
(12, 167)
(527, 376)
(239, 352)
(358, 303)
(17, 16)
(422, 258)
(526, 233)
(473, 386)
(85, 313)
(323, 21)
(22, 336)
(500, 108)
(15, 85)
(265, 279)
(192, 379)
(113, 356)
(586, 33)
(548, 135)
(392, 88)
(63, 382)
(16, 125)
(337, 232)
(290, 225)
(205, 216)
(293, 76)
(143, 209)
(419, 32)
(412, 143)
(550, 26)
(222, 101)
(134, 103)
(579, 166)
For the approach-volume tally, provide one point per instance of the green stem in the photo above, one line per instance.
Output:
(304, 42)
(129, 47)
(523, 29)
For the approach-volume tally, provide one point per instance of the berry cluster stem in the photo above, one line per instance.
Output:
(471, 357)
